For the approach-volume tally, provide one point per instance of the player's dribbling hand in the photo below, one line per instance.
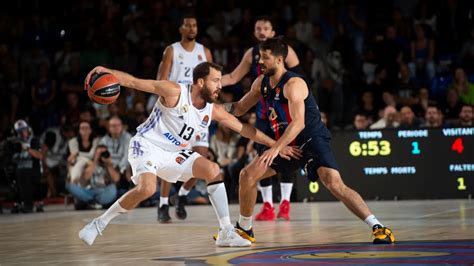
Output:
(96, 70)
(291, 152)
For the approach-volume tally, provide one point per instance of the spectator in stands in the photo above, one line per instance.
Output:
(405, 87)
(422, 102)
(452, 106)
(117, 141)
(466, 116)
(360, 122)
(43, 93)
(81, 151)
(422, 55)
(368, 107)
(388, 120)
(96, 186)
(462, 85)
(352, 24)
(25, 153)
(432, 118)
(408, 119)
(55, 151)
(467, 52)
(379, 86)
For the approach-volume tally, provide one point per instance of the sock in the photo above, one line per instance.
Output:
(245, 222)
(114, 211)
(267, 194)
(218, 198)
(164, 201)
(286, 191)
(183, 191)
(371, 220)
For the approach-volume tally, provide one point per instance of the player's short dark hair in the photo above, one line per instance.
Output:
(188, 15)
(264, 18)
(276, 45)
(203, 69)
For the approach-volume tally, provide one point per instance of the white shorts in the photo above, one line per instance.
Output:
(172, 166)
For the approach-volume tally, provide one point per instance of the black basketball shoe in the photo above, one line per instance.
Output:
(163, 214)
(180, 211)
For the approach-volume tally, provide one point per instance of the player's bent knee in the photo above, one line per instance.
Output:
(146, 191)
(245, 178)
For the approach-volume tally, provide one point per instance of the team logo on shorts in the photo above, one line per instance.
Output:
(199, 57)
(179, 160)
(205, 121)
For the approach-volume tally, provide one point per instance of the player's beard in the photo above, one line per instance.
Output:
(191, 38)
(269, 71)
(207, 95)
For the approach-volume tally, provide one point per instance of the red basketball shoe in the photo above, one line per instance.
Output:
(267, 213)
(284, 210)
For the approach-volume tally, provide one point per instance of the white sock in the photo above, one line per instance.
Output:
(245, 222)
(371, 220)
(164, 201)
(267, 194)
(183, 191)
(218, 198)
(113, 211)
(286, 191)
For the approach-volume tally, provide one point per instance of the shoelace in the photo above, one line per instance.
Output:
(97, 226)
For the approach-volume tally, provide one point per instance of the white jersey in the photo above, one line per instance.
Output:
(184, 62)
(177, 128)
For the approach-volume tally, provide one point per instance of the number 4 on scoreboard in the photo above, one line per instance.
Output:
(457, 146)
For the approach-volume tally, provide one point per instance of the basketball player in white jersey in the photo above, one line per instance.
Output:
(162, 145)
(179, 60)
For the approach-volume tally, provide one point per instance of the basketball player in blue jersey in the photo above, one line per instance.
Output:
(263, 29)
(294, 119)
(162, 144)
(179, 60)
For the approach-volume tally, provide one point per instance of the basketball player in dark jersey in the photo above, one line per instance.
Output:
(250, 65)
(294, 119)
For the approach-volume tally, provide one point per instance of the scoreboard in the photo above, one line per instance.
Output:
(401, 164)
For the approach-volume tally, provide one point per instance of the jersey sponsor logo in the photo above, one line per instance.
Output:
(277, 94)
(174, 140)
(180, 56)
(205, 121)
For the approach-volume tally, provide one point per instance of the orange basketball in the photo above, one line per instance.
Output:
(104, 88)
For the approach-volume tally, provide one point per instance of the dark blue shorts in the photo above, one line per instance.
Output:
(317, 153)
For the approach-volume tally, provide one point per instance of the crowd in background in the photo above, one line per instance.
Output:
(371, 64)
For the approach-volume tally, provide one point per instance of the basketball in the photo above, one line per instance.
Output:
(104, 88)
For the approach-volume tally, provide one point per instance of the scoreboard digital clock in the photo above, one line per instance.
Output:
(402, 164)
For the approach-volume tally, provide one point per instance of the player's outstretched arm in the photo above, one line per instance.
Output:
(250, 132)
(245, 130)
(240, 71)
(163, 88)
(248, 101)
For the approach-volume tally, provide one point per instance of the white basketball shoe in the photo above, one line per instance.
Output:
(89, 233)
(230, 238)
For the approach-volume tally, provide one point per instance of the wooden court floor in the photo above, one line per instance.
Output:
(319, 233)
